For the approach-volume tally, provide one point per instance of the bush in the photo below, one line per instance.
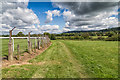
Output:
(20, 34)
(76, 36)
(52, 37)
(85, 36)
(72, 37)
(100, 38)
(113, 38)
(81, 38)
(110, 34)
(48, 34)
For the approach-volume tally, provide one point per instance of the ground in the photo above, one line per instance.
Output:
(70, 59)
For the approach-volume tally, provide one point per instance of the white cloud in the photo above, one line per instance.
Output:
(50, 15)
(84, 27)
(67, 24)
(89, 15)
(16, 14)
(56, 13)
(68, 15)
(66, 30)
(49, 28)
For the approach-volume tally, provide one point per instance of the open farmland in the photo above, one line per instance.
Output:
(70, 59)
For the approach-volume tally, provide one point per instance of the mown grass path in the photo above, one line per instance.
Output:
(60, 63)
(71, 59)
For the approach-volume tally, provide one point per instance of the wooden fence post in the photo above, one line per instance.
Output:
(29, 43)
(42, 42)
(10, 46)
(18, 52)
(31, 46)
(47, 40)
(10, 51)
(35, 47)
(38, 44)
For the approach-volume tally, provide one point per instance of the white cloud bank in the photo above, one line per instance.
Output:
(49, 28)
(16, 14)
(89, 15)
(50, 15)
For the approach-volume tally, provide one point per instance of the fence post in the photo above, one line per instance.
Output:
(45, 41)
(38, 44)
(35, 47)
(10, 46)
(42, 42)
(29, 43)
(18, 52)
(31, 46)
(13, 44)
(36, 41)
(10, 51)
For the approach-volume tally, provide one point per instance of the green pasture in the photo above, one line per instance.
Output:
(70, 59)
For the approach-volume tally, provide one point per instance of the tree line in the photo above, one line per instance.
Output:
(107, 36)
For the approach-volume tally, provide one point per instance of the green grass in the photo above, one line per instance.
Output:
(67, 37)
(95, 37)
(71, 59)
(100, 58)
(23, 43)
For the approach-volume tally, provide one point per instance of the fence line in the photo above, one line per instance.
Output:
(22, 38)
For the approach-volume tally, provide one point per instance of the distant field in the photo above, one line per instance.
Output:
(98, 36)
(71, 59)
(67, 37)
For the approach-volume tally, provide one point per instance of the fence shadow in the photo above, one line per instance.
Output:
(5, 57)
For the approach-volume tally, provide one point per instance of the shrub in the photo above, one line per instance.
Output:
(100, 38)
(113, 38)
(81, 38)
(85, 36)
(76, 36)
(20, 34)
(110, 34)
(52, 37)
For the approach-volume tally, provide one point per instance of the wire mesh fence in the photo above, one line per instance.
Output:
(23, 44)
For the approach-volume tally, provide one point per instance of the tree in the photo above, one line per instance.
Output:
(76, 36)
(110, 34)
(85, 35)
(113, 38)
(20, 34)
(52, 37)
(98, 34)
(48, 34)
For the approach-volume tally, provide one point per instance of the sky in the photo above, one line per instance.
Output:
(39, 8)
(57, 17)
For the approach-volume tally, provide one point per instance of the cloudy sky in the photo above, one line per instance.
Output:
(57, 17)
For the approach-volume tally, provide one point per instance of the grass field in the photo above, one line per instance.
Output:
(71, 59)
(67, 37)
